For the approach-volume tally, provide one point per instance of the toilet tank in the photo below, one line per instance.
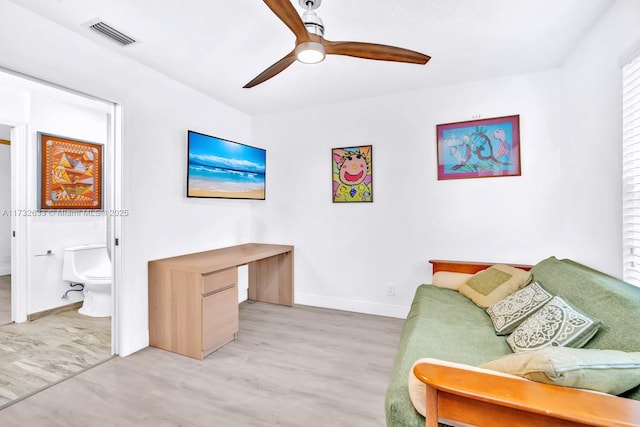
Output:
(80, 259)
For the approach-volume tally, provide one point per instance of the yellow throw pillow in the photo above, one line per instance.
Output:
(489, 286)
(449, 279)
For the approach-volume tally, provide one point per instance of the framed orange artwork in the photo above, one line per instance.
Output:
(70, 173)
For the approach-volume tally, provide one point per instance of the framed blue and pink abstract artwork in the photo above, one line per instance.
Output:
(479, 148)
(352, 174)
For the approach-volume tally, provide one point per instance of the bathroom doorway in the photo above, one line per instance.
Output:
(39, 315)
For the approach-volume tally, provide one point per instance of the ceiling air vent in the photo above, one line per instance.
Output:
(107, 30)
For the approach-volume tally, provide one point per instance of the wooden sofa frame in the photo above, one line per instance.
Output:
(483, 399)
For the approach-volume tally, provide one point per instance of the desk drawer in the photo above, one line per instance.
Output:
(219, 319)
(219, 280)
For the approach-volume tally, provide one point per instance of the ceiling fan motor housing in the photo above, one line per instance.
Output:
(313, 23)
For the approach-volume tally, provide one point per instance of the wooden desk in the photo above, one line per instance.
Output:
(193, 298)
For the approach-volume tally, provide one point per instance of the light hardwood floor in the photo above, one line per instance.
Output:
(290, 366)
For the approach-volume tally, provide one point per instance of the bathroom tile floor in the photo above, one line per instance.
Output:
(37, 354)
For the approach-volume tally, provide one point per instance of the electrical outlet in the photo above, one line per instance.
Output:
(6, 259)
(391, 289)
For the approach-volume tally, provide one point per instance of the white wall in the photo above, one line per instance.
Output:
(76, 118)
(592, 137)
(5, 202)
(346, 254)
(566, 203)
(157, 112)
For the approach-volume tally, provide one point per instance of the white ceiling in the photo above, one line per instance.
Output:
(217, 46)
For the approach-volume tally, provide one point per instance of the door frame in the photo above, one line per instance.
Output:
(20, 260)
(19, 233)
(114, 224)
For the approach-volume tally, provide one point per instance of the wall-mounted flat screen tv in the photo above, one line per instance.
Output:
(225, 169)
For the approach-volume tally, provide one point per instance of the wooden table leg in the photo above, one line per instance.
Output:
(271, 279)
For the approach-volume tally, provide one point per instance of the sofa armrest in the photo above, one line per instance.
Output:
(468, 266)
(484, 399)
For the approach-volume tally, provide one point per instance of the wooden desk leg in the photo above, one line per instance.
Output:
(271, 279)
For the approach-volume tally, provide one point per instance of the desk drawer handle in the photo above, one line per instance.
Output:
(219, 290)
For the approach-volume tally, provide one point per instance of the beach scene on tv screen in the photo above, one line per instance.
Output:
(226, 169)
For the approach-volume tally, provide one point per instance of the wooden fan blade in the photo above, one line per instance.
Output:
(276, 68)
(288, 14)
(380, 52)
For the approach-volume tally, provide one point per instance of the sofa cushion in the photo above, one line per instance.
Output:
(443, 324)
(511, 311)
(494, 283)
(611, 300)
(608, 371)
(556, 324)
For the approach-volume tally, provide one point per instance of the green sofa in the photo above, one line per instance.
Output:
(444, 324)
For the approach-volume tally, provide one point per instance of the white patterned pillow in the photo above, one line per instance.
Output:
(557, 324)
(508, 313)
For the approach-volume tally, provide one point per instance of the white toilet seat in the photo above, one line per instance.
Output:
(98, 276)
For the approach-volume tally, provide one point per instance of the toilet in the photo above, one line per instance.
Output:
(91, 266)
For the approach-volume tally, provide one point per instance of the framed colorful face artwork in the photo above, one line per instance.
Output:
(479, 148)
(70, 173)
(352, 174)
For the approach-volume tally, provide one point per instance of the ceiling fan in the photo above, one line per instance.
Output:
(311, 47)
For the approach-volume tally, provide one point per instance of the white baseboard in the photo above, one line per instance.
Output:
(366, 307)
(5, 270)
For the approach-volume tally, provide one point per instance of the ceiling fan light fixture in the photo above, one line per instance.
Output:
(311, 46)
(310, 52)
